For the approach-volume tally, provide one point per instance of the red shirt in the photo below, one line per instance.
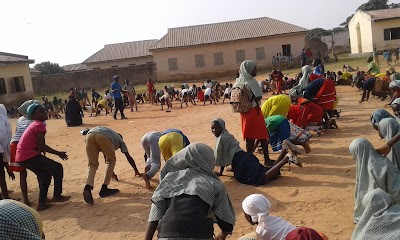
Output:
(28, 146)
(200, 95)
(150, 86)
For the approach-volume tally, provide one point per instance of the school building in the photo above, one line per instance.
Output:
(378, 29)
(212, 50)
(15, 79)
(120, 55)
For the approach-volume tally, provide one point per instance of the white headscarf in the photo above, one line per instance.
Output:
(5, 133)
(388, 128)
(245, 78)
(298, 89)
(257, 207)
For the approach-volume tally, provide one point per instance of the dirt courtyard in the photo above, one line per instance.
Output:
(319, 196)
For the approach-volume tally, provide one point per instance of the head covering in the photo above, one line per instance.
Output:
(226, 146)
(5, 133)
(31, 109)
(22, 109)
(380, 219)
(276, 105)
(190, 172)
(388, 128)
(303, 233)
(115, 77)
(298, 89)
(391, 70)
(372, 171)
(257, 207)
(246, 69)
(379, 115)
(394, 84)
(18, 221)
(396, 101)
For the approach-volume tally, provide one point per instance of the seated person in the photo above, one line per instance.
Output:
(256, 208)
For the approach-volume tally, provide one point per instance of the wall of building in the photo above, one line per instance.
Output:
(363, 21)
(377, 34)
(102, 78)
(341, 39)
(187, 69)
(120, 63)
(13, 98)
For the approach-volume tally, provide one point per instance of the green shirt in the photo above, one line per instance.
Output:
(273, 122)
(115, 138)
(373, 68)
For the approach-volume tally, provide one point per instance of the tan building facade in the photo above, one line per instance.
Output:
(15, 79)
(218, 49)
(218, 59)
(378, 29)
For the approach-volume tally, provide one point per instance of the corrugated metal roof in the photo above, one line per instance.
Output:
(224, 32)
(122, 51)
(10, 58)
(384, 14)
(74, 67)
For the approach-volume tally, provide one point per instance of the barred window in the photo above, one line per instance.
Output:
(199, 61)
(173, 64)
(219, 58)
(240, 56)
(260, 53)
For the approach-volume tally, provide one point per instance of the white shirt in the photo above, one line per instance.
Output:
(184, 91)
(209, 85)
(277, 229)
(207, 92)
(227, 90)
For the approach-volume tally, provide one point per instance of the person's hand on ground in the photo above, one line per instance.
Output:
(63, 155)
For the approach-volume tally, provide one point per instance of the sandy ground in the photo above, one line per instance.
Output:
(319, 196)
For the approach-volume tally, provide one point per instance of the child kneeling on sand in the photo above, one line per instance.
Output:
(29, 149)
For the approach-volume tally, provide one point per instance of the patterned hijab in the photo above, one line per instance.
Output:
(388, 128)
(190, 172)
(246, 69)
(372, 171)
(5, 133)
(226, 146)
(18, 221)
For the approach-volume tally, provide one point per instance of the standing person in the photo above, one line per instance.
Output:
(5, 138)
(150, 90)
(95, 98)
(152, 156)
(277, 77)
(73, 112)
(253, 125)
(85, 97)
(189, 198)
(376, 57)
(116, 95)
(131, 94)
(29, 155)
(105, 140)
(386, 56)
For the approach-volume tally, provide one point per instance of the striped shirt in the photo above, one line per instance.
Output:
(22, 124)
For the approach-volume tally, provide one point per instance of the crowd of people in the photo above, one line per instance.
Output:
(189, 178)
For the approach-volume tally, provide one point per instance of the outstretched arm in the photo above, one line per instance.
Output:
(151, 229)
(42, 147)
(385, 149)
(133, 164)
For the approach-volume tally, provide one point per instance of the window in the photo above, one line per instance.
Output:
(240, 56)
(286, 51)
(219, 58)
(260, 53)
(3, 89)
(391, 34)
(199, 60)
(173, 64)
(19, 84)
(115, 66)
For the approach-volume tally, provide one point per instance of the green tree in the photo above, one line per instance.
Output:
(48, 68)
(317, 33)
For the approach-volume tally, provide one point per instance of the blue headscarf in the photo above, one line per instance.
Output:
(378, 115)
(31, 109)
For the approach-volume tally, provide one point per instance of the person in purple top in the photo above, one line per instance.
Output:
(116, 95)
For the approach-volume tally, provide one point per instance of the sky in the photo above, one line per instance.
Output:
(67, 32)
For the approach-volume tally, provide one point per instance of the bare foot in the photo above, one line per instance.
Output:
(307, 148)
(146, 181)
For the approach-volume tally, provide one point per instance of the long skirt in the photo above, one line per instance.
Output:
(253, 124)
(280, 134)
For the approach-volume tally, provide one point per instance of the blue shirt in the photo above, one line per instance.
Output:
(116, 94)
(319, 70)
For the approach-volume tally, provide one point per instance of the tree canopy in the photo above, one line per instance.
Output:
(48, 68)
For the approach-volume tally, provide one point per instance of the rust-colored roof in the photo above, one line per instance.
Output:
(122, 51)
(10, 58)
(384, 14)
(74, 67)
(224, 32)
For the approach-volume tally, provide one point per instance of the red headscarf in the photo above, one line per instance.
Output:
(303, 233)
